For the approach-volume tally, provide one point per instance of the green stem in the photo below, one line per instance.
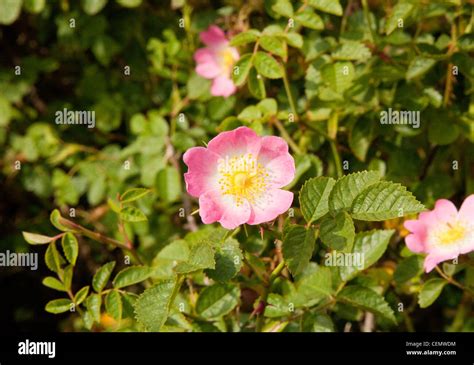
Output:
(450, 280)
(273, 276)
(290, 96)
(100, 238)
(286, 136)
(367, 19)
(337, 158)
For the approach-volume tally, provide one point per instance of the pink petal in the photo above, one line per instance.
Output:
(272, 147)
(467, 208)
(415, 225)
(239, 141)
(281, 171)
(434, 258)
(203, 55)
(270, 205)
(445, 211)
(214, 207)
(202, 169)
(213, 36)
(223, 86)
(415, 243)
(207, 70)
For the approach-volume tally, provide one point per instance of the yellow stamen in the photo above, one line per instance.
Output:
(453, 234)
(227, 58)
(243, 178)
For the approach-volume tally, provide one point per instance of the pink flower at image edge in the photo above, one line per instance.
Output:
(443, 233)
(216, 61)
(239, 176)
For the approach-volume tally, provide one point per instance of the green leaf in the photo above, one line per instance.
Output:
(113, 304)
(283, 7)
(153, 305)
(348, 187)
(274, 44)
(34, 6)
(385, 200)
(92, 7)
(228, 258)
(52, 258)
(93, 304)
(366, 299)
(338, 75)
(81, 295)
(197, 86)
(315, 286)
(250, 113)
(370, 246)
(314, 197)
(37, 239)
(70, 247)
(53, 283)
(360, 138)
(9, 11)
(66, 276)
(328, 6)
(298, 247)
(55, 221)
(134, 194)
(201, 256)
(267, 66)
(169, 184)
(132, 214)
(277, 306)
(294, 39)
(309, 19)
(241, 69)
(256, 85)
(102, 275)
(408, 268)
(316, 322)
(419, 66)
(440, 135)
(400, 11)
(129, 3)
(131, 275)
(430, 292)
(248, 36)
(338, 232)
(58, 306)
(217, 300)
(352, 51)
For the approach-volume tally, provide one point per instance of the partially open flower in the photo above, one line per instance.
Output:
(216, 61)
(443, 233)
(238, 178)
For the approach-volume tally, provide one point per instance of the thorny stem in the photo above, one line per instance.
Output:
(290, 95)
(275, 273)
(337, 158)
(100, 238)
(450, 280)
(286, 136)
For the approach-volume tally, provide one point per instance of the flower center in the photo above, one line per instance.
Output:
(242, 177)
(452, 234)
(227, 58)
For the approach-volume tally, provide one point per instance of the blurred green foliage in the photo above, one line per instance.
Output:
(318, 73)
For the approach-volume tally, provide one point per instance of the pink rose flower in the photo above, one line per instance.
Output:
(443, 233)
(238, 178)
(216, 61)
